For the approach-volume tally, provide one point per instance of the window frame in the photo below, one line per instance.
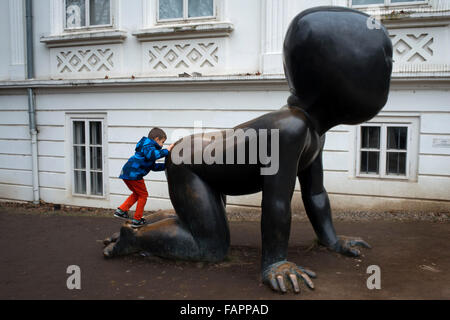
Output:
(87, 119)
(388, 3)
(411, 123)
(88, 26)
(360, 150)
(185, 17)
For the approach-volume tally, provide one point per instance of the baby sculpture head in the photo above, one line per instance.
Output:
(338, 64)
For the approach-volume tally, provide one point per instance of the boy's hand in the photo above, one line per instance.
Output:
(171, 147)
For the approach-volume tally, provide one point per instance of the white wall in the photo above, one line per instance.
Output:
(15, 153)
(131, 112)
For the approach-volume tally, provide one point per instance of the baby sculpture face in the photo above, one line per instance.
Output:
(337, 75)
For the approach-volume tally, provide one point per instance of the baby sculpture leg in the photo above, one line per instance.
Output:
(199, 231)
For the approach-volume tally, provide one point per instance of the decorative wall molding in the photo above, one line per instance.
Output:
(416, 69)
(175, 57)
(409, 10)
(419, 22)
(412, 47)
(17, 39)
(185, 31)
(82, 60)
(85, 61)
(275, 82)
(84, 38)
(419, 50)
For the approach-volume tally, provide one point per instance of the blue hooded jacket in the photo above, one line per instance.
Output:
(144, 160)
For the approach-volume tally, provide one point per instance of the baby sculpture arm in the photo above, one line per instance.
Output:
(278, 273)
(318, 210)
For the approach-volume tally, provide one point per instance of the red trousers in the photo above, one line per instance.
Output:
(139, 194)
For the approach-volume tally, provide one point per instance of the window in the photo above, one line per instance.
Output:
(87, 148)
(185, 9)
(87, 13)
(387, 150)
(385, 2)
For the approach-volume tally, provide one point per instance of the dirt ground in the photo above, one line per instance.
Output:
(38, 245)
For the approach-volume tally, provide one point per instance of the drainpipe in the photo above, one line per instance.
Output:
(31, 100)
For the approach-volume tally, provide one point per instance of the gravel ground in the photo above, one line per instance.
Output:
(40, 242)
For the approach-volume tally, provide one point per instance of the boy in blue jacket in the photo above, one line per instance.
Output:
(147, 151)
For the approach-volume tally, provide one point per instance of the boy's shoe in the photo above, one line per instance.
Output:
(138, 223)
(121, 214)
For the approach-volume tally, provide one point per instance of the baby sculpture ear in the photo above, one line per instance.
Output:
(293, 100)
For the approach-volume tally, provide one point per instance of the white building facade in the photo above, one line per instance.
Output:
(107, 71)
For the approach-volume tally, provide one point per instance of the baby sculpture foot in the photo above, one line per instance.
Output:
(283, 276)
(120, 244)
(347, 246)
(111, 239)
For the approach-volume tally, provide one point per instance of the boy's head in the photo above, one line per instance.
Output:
(158, 135)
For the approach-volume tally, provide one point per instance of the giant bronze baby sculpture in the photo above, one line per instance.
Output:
(338, 65)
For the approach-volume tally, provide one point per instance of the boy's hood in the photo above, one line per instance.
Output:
(146, 142)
